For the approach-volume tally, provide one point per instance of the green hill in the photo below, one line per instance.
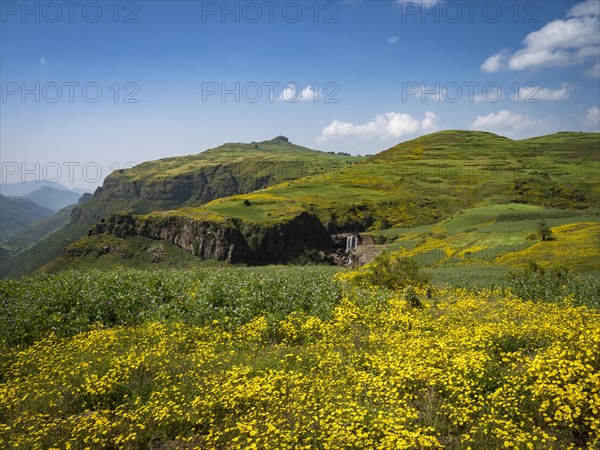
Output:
(18, 213)
(185, 181)
(54, 199)
(35, 232)
(419, 183)
(197, 179)
(433, 177)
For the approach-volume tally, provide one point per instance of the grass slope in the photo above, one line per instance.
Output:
(500, 235)
(184, 181)
(277, 158)
(17, 213)
(449, 198)
(432, 177)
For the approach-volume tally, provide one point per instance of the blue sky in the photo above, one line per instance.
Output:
(105, 84)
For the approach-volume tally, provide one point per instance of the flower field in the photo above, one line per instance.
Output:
(280, 358)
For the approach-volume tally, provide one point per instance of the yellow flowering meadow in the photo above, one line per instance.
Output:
(468, 370)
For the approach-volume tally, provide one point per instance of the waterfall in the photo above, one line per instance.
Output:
(351, 243)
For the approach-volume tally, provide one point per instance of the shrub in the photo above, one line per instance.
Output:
(70, 302)
(394, 272)
(543, 231)
(411, 298)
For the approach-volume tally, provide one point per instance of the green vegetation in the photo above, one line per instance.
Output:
(278, 159)
(446, 199)
(253, 208)
(73, 301)
(392, 272)
(544, 232)
(555, 284)
(183, 182)
(106, 252)
(288, 357)
(499, 235)
(432, 177)
(18, 213)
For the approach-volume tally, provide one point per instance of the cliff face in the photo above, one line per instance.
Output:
(231, 241)
(141, 196)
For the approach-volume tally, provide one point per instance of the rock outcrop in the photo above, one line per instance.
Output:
(232, 241)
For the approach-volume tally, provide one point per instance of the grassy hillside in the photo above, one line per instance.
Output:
(430, 178)
(452, 170)
(197, 179)
(278, 159)
(184, 181)
(18, 213)
(449, 198)
(502, 235)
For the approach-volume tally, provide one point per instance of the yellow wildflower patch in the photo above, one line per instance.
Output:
(468, 370)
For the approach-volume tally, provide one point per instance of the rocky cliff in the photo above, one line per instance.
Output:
(232, 241)
(183, 181)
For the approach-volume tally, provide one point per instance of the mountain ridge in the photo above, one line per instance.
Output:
(381, 192)
(183, 181)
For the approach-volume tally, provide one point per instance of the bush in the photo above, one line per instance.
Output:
(394, 272)
(411, 298)
(543, 231)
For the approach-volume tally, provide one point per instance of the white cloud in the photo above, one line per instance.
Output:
(43, 60)
(495, 62)
(587, 8)
(560, 43)
(386, 126)
(393, 39)
(592, 119)
(293, 94)
(504, 122)
(546, 94)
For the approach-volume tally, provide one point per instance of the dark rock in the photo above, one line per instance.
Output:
(230, 241)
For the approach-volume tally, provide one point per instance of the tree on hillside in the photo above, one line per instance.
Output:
(543, 231)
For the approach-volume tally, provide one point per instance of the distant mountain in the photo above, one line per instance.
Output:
(28, 236)
(18, 213)
(51, 198)
(26, 187)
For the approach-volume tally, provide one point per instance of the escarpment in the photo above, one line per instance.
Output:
(232, 240)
